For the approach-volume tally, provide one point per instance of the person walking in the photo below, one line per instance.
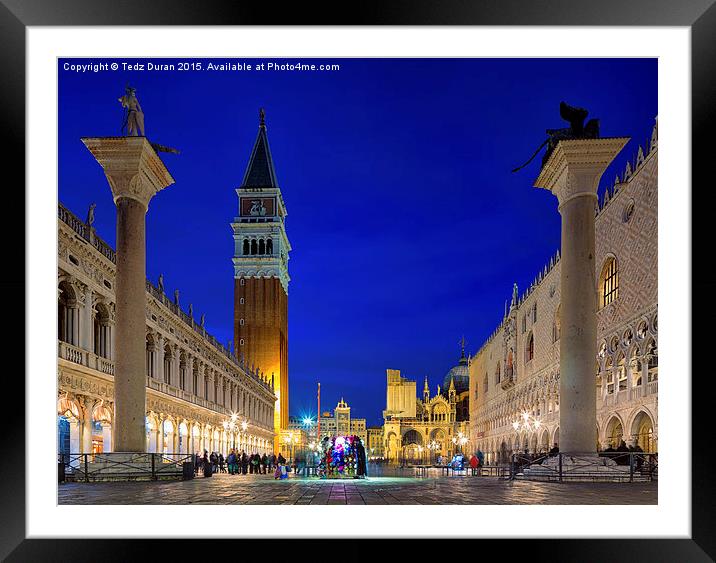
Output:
(222, 469)
(206, 464)
(230, 461)
(264, 463)
(623, 457)
(244, 462)
(480, 458)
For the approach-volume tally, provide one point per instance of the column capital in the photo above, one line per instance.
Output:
(133, 168)
(575, 166)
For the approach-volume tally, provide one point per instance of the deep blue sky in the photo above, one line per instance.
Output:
(408, 229)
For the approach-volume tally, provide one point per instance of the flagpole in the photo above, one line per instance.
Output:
(318, 428)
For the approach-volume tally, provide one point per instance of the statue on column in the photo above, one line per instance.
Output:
(176, 297)
(133, 122)
(160, 283)
(191, 311)
(203, 318)
(576, 130)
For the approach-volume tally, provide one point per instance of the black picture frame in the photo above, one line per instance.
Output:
(698, 15)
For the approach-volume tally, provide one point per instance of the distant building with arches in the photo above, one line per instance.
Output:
(419, 429)
(514, 377)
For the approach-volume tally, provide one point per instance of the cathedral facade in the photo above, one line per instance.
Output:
(261, 253)
(514, 377)
(420, 429)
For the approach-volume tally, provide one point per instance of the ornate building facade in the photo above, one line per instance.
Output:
(194, 384)
(421, 429)
(514, 377)
(261, 250)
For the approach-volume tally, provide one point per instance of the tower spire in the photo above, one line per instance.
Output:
(260, 172)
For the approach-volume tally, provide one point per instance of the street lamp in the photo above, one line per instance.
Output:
(460, 440)
(433, 447)
(527, 422)
(231, 426)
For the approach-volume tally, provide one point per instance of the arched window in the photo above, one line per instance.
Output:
(246, 247)
(195, 380)
(167, 364)
(530, 350)
(608, 282)
(253, 246)
(621, 372)
(262, 246)
(485, 384)
(635, 369)
(150, 355)
(269, 246)
(509, 369)
(497, 374)
(68, 315)
(182, 372)
(557, 325)
(534, 313)
(101, 329)
(652, 358)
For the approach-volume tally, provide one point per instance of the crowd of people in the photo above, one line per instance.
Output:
(240, 463)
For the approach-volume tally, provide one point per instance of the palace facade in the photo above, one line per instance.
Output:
(514, 377)
(194, 384)
(421, 429)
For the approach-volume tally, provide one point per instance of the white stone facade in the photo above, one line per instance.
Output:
(194, 384)
(516, 372)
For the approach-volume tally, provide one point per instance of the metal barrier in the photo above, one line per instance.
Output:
(112, 466)
(604, 466)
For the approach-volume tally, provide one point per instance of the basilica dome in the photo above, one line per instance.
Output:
(460, 374)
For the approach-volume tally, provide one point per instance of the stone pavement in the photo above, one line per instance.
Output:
(263, 489)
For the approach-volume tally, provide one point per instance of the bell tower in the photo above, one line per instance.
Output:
(261, 277)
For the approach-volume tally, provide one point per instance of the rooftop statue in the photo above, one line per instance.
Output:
(133, 122)
(576, 130)
(90, 214)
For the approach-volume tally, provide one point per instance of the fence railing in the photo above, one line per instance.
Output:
(605, 466)
(99, 467)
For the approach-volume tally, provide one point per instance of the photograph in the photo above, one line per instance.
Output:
(357, 281)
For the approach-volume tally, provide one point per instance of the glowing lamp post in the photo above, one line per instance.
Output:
(460, 440)
(527, 422)
(433, 447)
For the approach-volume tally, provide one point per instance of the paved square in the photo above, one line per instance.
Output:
(263, 489)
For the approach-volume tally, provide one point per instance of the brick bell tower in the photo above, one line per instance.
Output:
(261, 274)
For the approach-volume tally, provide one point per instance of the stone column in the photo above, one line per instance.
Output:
(106, 437)
(159, 358)
(86, 322)
(135, 174)
(87, 431)
(572, 174)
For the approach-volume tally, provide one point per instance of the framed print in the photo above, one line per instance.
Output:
(415, 265)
